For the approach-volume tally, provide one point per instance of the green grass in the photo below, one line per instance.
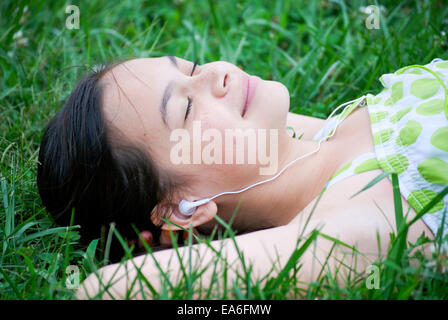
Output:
(321, 50)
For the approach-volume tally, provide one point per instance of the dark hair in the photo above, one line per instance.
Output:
(85, 165)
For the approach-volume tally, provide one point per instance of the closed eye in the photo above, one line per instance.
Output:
(188, 108)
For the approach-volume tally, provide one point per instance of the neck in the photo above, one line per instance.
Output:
(277, 202)
(302, 182)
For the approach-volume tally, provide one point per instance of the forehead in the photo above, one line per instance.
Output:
(138, 77)
(142, 80)
(132, 93)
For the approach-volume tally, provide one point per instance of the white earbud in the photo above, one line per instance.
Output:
(189, 207)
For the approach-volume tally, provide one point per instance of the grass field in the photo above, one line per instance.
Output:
(321, 50)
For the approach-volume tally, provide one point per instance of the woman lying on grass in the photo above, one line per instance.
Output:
(109, 155)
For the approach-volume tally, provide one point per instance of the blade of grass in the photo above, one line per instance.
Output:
(373, 182)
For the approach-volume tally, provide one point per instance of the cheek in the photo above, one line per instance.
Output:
(216, 117)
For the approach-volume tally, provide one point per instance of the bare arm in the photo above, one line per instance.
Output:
(267, 250)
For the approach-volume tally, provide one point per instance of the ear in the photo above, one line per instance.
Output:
(170, 211)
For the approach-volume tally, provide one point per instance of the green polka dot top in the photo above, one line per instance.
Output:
(409, 123)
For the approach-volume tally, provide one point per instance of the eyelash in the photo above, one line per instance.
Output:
(189, 99)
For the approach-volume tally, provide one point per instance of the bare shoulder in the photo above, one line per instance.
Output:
(365, 221)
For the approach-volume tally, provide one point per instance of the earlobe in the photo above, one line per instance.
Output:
(204, 213)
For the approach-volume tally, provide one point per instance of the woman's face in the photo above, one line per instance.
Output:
(148, 100)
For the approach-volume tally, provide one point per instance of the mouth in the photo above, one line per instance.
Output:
(249, 87)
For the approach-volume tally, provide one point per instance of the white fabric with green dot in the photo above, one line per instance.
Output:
(409, 123)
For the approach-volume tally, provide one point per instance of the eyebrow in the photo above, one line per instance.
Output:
(167, 92)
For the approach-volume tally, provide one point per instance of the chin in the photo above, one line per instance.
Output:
(280, 105)
(271, 106)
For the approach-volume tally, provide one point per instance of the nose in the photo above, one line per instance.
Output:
(215, 78)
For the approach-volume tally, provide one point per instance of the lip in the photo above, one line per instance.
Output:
(249, 88)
